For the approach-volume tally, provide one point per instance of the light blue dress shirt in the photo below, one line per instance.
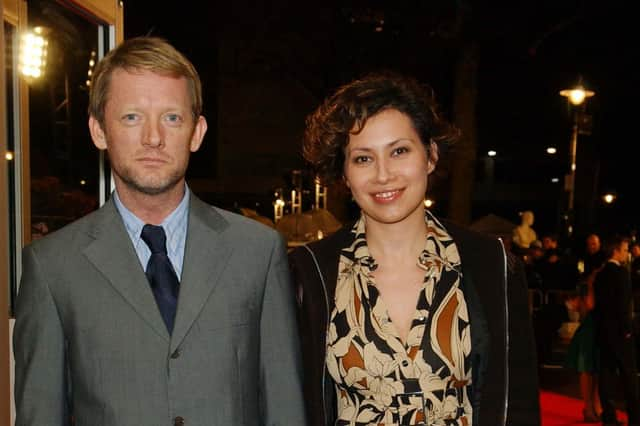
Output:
(175, 226)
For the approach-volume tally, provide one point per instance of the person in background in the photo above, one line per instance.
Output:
(594, 257)
(156, 309)
(614, 333)
(557, 270)
(583, 354)
(402, 315)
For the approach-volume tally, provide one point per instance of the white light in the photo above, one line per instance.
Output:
(609, 198)
(33, 53)
(428, 202)
(577, 95)
(280, 202)
(492, 153)
(83, 182)
(8, 155)
(551, 150)
(555, 180)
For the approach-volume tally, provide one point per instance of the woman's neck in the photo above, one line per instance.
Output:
(399, 241)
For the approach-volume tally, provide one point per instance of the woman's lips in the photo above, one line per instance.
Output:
(387, 196)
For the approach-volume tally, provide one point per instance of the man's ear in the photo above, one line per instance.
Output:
(97, 134)
(432, 157)
(198, 134)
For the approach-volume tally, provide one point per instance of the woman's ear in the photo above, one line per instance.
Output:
(433, 154)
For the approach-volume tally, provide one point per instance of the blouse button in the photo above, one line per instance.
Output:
(405, 363)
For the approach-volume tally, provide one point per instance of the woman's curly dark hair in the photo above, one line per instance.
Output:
(346, 112)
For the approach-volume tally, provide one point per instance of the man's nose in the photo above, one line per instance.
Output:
(153, 133)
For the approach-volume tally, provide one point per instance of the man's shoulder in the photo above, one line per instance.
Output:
(68, 236)
(240, 226)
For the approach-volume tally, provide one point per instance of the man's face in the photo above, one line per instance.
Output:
(593, 244)
(621, 254)
(549, 243)
(149, 131)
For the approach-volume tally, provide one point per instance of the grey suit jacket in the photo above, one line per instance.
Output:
(90, 342)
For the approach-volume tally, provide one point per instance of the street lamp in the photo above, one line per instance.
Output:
(576, 96)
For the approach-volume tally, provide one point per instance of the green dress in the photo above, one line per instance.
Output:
(583, 354)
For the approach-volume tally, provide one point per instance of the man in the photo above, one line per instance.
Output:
(614, 331)
(594, 257)
(99, 343)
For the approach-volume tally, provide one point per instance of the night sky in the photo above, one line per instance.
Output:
(527, 52)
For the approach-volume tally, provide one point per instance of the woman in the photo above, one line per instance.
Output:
(582, 354)
(405, 319)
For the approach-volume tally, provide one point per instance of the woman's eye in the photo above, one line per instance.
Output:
(400, 150)
(360, 159)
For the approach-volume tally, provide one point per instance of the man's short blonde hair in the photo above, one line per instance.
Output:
(143, 54)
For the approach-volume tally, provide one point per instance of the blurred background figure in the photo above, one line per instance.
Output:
(583, 354)
(614, 333)
(593, 257)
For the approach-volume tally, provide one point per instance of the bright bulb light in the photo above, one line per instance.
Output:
(492, 153)
(551, 150)
(33, 53)
(428, 202)
(8, 155)
(577, 95)
(609, 198)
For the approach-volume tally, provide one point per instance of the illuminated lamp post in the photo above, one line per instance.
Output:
(577, 97)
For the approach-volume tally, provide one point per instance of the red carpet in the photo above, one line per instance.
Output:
(560, 410)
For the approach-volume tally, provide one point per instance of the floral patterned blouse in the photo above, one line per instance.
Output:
(379, 379)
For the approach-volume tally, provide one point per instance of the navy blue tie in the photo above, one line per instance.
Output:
(160, 273)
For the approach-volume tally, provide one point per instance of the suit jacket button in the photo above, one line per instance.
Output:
(174, 355)
(178, 421)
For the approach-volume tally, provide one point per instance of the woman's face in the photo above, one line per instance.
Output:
(386, 167)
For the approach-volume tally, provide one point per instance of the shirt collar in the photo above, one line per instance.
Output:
(172, 224)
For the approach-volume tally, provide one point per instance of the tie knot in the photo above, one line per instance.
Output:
(155, 238)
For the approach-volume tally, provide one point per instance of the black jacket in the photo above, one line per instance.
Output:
(613, 307)
(505, 382)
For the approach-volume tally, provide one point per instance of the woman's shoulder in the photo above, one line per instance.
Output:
(328, 245)
(466, 236)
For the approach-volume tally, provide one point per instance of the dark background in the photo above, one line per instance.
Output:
(266, 65)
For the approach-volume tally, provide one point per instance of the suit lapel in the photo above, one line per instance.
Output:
(113, 255)
(205, 258)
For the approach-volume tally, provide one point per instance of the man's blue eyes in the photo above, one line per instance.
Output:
(172, 118)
